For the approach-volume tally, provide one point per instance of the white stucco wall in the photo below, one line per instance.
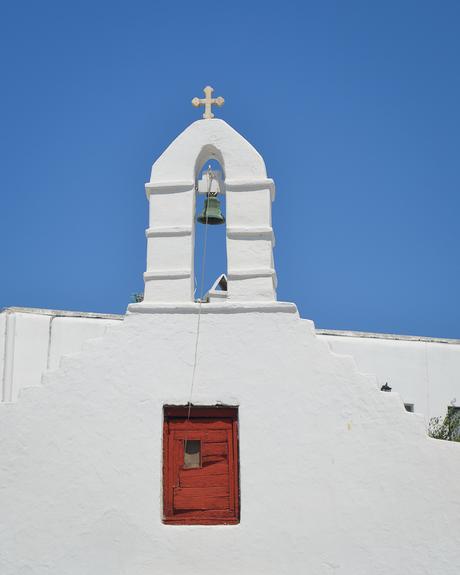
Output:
(34, 340)
(3, 351)
(335, 475)
(424, 371)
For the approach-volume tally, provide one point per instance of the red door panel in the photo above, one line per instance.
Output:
(202, 486)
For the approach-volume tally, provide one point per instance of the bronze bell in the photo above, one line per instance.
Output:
(211, 214)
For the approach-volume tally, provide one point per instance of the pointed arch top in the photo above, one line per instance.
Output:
(202, 140)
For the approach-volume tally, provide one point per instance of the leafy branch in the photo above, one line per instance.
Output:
(447, 428)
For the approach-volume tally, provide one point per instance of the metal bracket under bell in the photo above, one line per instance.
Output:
(217, 183)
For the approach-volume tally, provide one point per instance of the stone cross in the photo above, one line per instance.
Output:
(207, 102)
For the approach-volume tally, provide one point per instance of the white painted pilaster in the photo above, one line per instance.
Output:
(250, 239)
(170, 238)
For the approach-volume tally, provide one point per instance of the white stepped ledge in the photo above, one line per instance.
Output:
(251, 232)
(250, 185)
(166, 275)
(249, 273)
(246, 185)
(168, 231)
(168, 187)
(213, 307)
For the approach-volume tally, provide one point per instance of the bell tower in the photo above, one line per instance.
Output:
(172, 192)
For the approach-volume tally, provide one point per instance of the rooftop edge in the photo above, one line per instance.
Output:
(319, 331)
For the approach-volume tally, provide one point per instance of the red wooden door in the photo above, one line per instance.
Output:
(200, 471)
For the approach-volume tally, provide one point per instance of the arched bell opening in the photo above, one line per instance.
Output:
(210, 251)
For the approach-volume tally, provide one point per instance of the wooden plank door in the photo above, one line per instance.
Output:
(200, 471)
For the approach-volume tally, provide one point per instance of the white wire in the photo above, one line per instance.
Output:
(200, 301)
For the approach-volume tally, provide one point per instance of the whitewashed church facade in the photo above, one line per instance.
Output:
(291, 461)
(423, 371)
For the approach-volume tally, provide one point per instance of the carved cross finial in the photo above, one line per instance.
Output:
(207, 102)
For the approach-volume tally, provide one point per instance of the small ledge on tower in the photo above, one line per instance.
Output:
(221, 306)
(219, 290)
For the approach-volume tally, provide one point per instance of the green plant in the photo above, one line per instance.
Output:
(447, 428)
(137, 297)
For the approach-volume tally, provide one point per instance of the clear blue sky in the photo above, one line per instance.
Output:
(353, 104)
